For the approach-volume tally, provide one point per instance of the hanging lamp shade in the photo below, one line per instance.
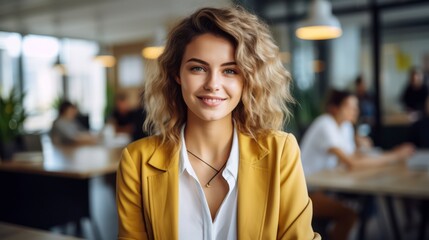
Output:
(321, 24)
(156, 47)
(105, 57)
(152, 52)
(59, 66)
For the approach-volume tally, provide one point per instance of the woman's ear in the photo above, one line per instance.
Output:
(332, 109)
(178, 80)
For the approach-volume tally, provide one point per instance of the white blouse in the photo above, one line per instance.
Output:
(195, 220)
(323, 134)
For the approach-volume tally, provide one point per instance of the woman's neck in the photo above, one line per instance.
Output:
(337, 119)
(209, 140)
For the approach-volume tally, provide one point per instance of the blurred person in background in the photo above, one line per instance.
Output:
(331, 141)
(415, 93)
(419, 136)
(139, 115)
(66, 129)
(426, 69)
(128, 119)
(122, 116)
(419, 131)
(366, 102)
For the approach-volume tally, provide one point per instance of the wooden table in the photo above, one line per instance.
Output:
(15, 232)
(79, 162)
(395, 180)
(51, 188)
(391, 181)
(401, 118)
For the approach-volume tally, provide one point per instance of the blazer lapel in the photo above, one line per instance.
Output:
(253, 185)
(163, 193)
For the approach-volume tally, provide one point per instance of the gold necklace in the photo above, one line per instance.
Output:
(217, 171)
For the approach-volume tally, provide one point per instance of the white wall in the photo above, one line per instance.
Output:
(345, 58)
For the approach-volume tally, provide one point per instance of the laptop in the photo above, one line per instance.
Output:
(419, 161)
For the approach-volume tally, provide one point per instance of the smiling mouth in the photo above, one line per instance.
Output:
(212, 100)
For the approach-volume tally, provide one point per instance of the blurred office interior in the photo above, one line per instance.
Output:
(49, 51)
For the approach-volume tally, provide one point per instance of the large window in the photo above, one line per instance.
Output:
(85, 79)
(10, 49)
(40, 83)
(30, 64)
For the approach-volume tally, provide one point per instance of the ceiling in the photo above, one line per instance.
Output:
(106, 21)
(125, 21)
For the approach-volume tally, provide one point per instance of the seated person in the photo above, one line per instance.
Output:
(128, 119)
(426, 69)
(67, 130)
(419, 132)
(139, 115)
(366, 101)
(122, 116)
(415, 93)
(330, 141)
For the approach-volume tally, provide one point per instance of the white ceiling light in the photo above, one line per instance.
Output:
(58, 64)
(321, 24)
(105, 57)
(152, 51)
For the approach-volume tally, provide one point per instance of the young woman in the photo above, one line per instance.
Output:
(218, 166)
(330, 141)
(67, 130)
(415, 93)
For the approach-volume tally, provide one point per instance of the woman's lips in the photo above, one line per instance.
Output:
(211, 101)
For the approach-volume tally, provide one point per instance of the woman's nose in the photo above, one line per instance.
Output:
(212, 83)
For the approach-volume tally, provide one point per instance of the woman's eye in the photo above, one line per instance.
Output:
(230, 71)
(197, 69)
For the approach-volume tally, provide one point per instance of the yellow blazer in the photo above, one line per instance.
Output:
(272, 195)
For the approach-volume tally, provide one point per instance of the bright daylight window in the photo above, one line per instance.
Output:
(10, 48)
(44, 84)
(86, 79)
(40, 83)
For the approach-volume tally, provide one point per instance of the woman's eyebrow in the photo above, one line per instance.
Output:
(228, 64)
(198, 61)
(207, 64)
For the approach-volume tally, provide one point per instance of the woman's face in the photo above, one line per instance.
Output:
(210, 79)
(349, 109)
(417, 79)
(71, 112)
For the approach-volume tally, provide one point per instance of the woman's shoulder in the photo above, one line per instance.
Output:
(325, 118)
(324, 122)
(278, 137)
(146, 144)
(278, 134)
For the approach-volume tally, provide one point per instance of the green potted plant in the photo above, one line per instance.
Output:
(306, 109)
(11, 121)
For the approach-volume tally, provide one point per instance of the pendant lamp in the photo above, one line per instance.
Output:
(59, 65)
(153, 50)
(321, 24)
(105, 57)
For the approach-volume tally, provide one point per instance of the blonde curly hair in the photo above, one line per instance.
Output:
(266, 88)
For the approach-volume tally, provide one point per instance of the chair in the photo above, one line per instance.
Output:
(31, 142)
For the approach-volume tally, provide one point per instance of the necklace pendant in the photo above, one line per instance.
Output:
(208, 185)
